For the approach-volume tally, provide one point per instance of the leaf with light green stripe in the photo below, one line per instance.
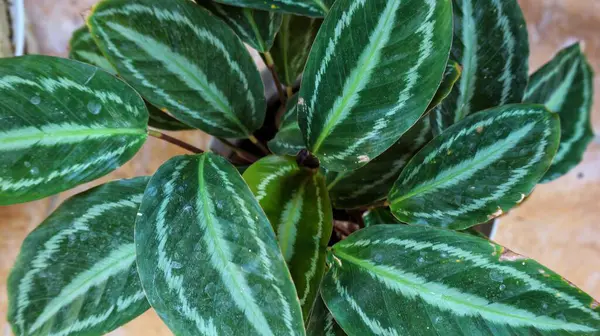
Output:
(288, 140)
(183, 59)
(566, 86)
(377, 216)
(55, 112)
(76, 272)
(83, 48)
(415, 280)
(371, 74)
(451, 76)
(491, 44)
(297, 204)
(207, 256)
(478, 168)
(371, 184)
(292, 46)
(255, 27)
(321, 322)
(314, 8)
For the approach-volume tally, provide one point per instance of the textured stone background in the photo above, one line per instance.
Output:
(559, 225)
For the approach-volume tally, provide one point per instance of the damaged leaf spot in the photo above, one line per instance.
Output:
(479, 129)
(363, 158)
(522, 199)
(496, 214)
(508, 255)
(595, 304)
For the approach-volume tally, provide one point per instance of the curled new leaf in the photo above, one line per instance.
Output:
(76, 273)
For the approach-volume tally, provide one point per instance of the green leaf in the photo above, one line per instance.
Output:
(292, 46)
(371, 74)
(83, 48)
(377, 216)
(161, 120)
(76, 273)
(182, 58)
(314, 8)
(298, 207)
(566, 86)
(451, 76)
(207, 256)
(255, 27)
(478, 168)
(288, 140)
(371, 184)
(55, 114)
(415, 280)
(491, 44)
(321, 322)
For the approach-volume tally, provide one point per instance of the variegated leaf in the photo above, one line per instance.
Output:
(83, 48)
(297, 204)
(491, 44)
(292, 46)
(377, 216)
(255, 27)
(372, 183)
(57, 112)
(76, 273)
(416, 280)
(371, 74)
(566, 86)
(288, 140)
(183, 59)
(207, 256)
(321, 322)
(478, 168)
(314, 8)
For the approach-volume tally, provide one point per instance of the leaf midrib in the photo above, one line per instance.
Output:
(67, 134)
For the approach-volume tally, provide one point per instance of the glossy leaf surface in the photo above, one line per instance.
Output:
(371, 73)
(315, 8)
(288, 140)
(477, 169)
(298, 206)
(55, 113)
(377, 216)
(76, 273)
(416, 280)
(183, 59)
(207, 256)
(83, 48)
(321, 322)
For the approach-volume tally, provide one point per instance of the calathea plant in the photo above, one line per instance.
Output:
(415, 120)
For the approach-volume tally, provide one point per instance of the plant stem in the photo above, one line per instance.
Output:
(177, 142)
(259, 144)
(271, 65)
(240, 152)
(289, 91)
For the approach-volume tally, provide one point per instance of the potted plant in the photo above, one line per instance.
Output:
(413, 122)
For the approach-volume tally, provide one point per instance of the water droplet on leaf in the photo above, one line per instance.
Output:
(36, 100)
(94, 107)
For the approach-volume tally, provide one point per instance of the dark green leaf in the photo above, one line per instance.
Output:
(416, 280)
(321, 322)
(478, 168)
(313, 8)
(207, 256)
(161, 120)
(292, 45)
(298, 206)
(183, 59)
(64, 123)
(76, 273)
(371, 184)
(491, 44)
(288, 140)
(255, 27)
(377, 216)
(83, 48)
(451, 76)
(371, 74)
(566, 86)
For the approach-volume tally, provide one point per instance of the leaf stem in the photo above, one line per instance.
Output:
(271, 65)
(289, 91)
(259, 144)
(240, 152)
(177, 142)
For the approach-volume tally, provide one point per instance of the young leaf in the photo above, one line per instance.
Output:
(207, 255)
(314, 8)
(292, 45)
(416, 280)
(478, 168)
(321, 322)
(491, 44)
(451, 76)
(255, 27)
(371, 183)
(288, 140)
(83, 48)
(76, 273)
(377, 216)
(565, 85)
(63, 123)
(298, 207)
(183, 59)
(371, 74)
